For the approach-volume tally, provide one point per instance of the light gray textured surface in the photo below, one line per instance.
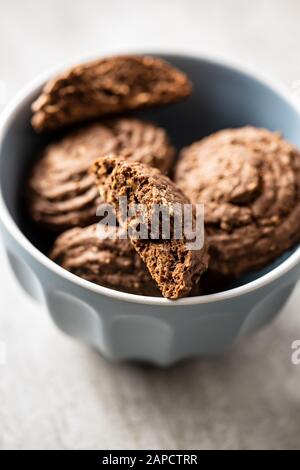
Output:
(57, 393)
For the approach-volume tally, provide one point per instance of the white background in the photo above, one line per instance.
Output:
(57, 393)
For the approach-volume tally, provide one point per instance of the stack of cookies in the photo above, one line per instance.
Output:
(248, 180)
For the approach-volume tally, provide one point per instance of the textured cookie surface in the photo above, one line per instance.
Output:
(175, 268)
(61, 192)
(110, 262)
(107, 86)
(249, 181)
(145, 142)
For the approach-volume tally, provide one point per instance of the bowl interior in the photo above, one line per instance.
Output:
(222, 97)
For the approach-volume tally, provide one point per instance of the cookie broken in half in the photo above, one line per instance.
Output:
(174, 266)
(107, 86)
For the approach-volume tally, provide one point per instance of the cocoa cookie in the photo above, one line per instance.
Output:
(173, 265)
(146, 143)
(110, 262)
(249, 180)
(107, 86)
(62, 194)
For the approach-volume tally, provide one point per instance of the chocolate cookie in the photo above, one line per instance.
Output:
(146, 143)
(62, 194)
(110, 262)
(249, 181)
(173, 265)
(107, 86)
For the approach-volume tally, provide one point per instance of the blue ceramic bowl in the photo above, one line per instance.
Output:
(128, 326)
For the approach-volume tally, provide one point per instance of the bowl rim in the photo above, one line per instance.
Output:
(29, 91)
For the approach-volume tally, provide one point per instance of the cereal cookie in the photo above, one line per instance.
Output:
(107, 86)
(110, 262)
(61, 194)
(249, 181)
(173, 265)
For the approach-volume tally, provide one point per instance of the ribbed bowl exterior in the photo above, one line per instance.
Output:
(158, 334)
